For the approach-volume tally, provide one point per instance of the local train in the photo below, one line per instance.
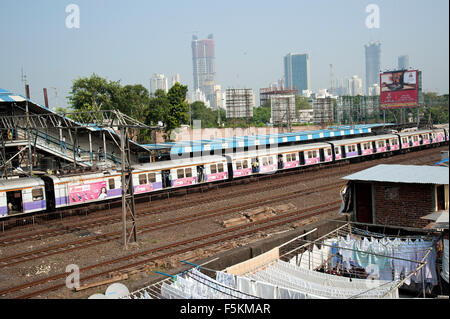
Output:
(52, 192)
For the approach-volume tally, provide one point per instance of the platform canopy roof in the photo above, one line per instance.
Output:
(206, 145)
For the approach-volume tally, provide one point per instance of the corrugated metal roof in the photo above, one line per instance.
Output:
(403, 174)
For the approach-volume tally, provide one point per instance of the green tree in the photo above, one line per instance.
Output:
(94, 94)
(177, 112)
(261, 114)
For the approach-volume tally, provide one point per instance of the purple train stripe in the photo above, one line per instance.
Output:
(114, 192)
(350, 154)
(39, 204)
(61, 201)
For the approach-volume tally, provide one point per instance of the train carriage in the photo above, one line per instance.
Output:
(178, 173)
(64, 191)
(416, 138)
(21, 196)
(279, 158)
(365, 146)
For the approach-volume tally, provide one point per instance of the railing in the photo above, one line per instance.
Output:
(67, 149)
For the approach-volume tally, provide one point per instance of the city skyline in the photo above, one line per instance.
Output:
(113, 41)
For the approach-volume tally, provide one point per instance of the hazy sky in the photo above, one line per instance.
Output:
(131, 40)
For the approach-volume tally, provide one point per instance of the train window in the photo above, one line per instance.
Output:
(314, 153)
(416, 138)
(328, 151)
(289, 157)
(336, 150)
(111, 183)
(394, 141)
(189, 172)
(151, 177)
(213, 168)
(270, 160)
(220, 167)
(381, 143)
(180, 173)
(37, 193)
(265, 161)
(142, 179)
(238, 165)
(244, 164)
(309, 154)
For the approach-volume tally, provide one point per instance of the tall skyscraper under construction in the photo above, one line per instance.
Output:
(373, 64)
(204, 68)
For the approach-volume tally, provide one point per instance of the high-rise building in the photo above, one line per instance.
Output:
(159, 82)
(204, 70)
(354, 86)
(198, 95)
(373, 64)
(175, 79)
(403, 62)
(297, 71)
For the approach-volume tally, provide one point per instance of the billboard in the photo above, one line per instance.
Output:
(87, 192)
(399, 89)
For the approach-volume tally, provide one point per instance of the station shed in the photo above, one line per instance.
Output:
(396, 194)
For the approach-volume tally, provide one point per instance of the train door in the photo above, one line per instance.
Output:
(343, 152)
(302, 157)
(166, 180)
(363, 193)
(374, 146)
(388, 145)
(358, 146)
(280, 161)
(322, 155)
(49, 192)
(201, 173)
(14, 202)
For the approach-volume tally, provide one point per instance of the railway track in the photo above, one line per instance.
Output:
(281, 180)
(115, 215)
(43, 218)
(12, 260)
(140, 258)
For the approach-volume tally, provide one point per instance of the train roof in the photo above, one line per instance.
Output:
(21, 182)
(278, 150)
(180, 162)
(415, 132)
(364, 139)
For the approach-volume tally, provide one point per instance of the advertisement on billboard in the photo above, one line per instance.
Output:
(87, 192)
(398, 89)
